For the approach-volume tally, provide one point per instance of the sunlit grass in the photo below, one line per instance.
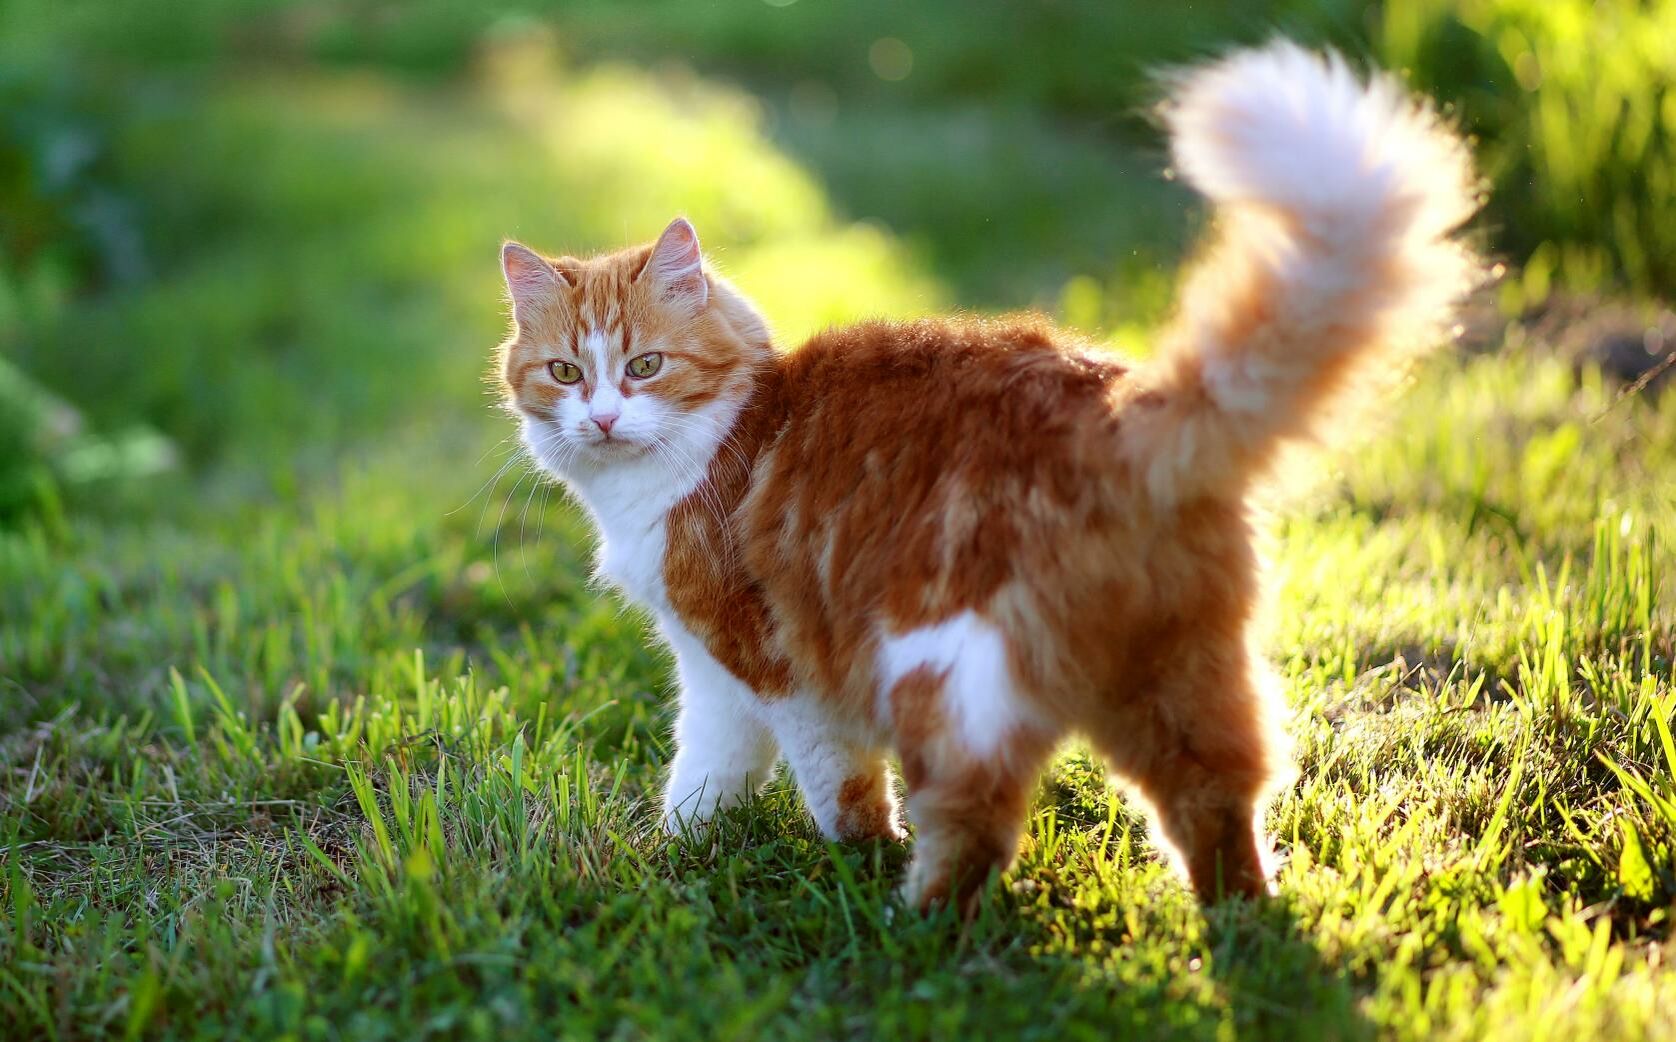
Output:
(1480, 842)
(335, 740)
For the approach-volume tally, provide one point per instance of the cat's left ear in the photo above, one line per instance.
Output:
(676, 268)
(530, 281)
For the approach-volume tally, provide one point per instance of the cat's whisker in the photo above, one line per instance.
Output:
(514, 451)
(541, 510)
(525, 454)
(494, 483)
(546, 483)
(504, 442)
(674, 459)
(709, 496)
(523, 518)
(707, 427)
(494, 549)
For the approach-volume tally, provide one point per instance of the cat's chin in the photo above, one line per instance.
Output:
(606, 452)
(617, 450)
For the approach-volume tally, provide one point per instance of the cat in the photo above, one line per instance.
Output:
(956, 541)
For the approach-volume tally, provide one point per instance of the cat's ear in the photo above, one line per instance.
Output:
(530, 280)
(676, 268)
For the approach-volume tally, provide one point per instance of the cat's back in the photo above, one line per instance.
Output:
(1034, 381)
(914, 468)
(958, 404)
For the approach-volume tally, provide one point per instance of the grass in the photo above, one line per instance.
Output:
(327, 736)
(367, 769)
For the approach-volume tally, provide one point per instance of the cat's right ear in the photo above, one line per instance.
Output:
(676, 267)
(530, 281)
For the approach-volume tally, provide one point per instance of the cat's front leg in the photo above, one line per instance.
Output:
(722, 750)
(845, 778)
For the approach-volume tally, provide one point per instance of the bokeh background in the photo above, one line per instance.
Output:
(241, 240)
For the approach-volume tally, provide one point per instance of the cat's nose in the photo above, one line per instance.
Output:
(604, 420)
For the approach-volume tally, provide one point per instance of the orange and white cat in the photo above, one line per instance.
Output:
(956, 541)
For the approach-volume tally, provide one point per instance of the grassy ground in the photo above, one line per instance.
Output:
(370, 767)
(328, 737)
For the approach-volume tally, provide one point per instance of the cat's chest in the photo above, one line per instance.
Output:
(631, 559)
(633, 541)
(631, 505)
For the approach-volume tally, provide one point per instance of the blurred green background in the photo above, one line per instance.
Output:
(241, 238)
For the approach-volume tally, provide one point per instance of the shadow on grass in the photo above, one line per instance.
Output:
(1276, 981)
(1151, 963)
(1091, 936)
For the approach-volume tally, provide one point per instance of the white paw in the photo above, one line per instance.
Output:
(688, 816)
(697, 809)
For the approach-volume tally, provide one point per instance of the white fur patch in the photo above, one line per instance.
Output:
(978, 686)
(593, 345)
(604, 399)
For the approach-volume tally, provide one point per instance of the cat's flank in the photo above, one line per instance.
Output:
(955, 542)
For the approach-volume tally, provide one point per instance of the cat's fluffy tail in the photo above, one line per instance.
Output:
(1334, 260)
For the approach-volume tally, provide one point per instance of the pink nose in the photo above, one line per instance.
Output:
(604, 421)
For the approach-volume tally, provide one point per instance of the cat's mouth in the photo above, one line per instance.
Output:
(615, 446)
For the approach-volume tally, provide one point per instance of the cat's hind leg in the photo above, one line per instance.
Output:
(1204, 749)
(971, 748)
(968, 806)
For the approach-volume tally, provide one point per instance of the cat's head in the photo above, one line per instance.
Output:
(637, 353)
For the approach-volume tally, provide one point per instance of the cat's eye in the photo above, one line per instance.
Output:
(564, 372)
(645, 365)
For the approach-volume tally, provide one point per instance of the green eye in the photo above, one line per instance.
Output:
(645, 365)
(564, 372)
